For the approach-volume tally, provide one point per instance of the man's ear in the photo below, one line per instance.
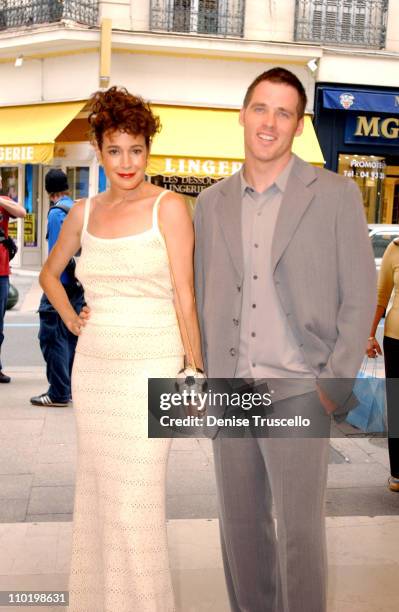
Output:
(241, 116)
(300, 126)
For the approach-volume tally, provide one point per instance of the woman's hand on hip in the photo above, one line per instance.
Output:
(79, 321)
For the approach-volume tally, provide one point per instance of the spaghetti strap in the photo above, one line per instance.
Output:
(155, 224)
(86, 215)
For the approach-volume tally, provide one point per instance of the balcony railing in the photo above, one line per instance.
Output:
(358, 23)
(216, 17)
(25, 13)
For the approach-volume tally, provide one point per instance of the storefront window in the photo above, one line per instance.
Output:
(378, 180)
(9, 177)
(31, 204)
(78, 181)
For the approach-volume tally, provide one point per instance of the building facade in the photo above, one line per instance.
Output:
(193, 59)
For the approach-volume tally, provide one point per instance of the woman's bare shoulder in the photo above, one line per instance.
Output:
(173, 207)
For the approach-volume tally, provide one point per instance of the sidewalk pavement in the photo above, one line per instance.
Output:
(363, 562)
(27, 283)
(37, 464)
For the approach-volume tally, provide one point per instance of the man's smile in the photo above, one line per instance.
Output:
(266, 137)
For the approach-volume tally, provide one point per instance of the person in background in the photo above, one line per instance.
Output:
(57, 343)
(8, 209)
(388, 281)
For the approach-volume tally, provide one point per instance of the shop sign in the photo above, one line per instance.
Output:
(26, 154)
(182, 166)
(366, 168)
(374, 130)
(13, 229)
(30, 230)
(207, 167)
(186, 185)
(17, 154)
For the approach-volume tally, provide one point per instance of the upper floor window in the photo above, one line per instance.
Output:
(342, 22)
(219, 17)
(25, 13)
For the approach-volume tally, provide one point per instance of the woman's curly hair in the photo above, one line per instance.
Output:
(117, 109)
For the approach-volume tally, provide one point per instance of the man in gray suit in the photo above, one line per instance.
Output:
(285, 289)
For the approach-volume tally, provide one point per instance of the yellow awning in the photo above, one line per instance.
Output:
(209, 142)
(27, 133)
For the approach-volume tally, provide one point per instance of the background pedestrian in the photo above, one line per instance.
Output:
(388, 282)
(8, 209)
(57, 343)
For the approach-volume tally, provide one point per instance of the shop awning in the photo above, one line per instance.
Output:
(27, 133)
(209, 142)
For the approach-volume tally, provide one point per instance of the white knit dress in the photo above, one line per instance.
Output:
(120, 556)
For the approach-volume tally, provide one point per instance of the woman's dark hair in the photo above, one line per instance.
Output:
(117, 109)
(286, 77)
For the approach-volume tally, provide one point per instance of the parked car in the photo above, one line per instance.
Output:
(13, 296)
(381, 235)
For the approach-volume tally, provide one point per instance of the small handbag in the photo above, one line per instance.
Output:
(369, 415)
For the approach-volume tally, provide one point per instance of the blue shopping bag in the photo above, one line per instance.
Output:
(369, 415)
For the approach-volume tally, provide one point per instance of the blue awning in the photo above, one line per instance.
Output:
(371, 101)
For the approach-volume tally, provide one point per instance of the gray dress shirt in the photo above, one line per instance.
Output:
(267, 346)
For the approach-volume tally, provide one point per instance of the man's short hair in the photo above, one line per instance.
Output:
(280, 75)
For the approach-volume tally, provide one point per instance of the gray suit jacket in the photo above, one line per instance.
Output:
(323, 269)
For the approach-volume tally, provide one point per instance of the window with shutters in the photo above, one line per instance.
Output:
(342, 22)
(218, 17)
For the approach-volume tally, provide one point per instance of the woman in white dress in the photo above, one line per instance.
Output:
(131, 330)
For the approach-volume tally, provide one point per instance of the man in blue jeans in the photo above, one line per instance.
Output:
(56, 342)
(8, 209)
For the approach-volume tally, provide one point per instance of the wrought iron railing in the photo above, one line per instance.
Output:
(24, 13)
(218, 17)
(342, 22)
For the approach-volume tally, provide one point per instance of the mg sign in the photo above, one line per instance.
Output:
(377, 127)
(372, 130)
